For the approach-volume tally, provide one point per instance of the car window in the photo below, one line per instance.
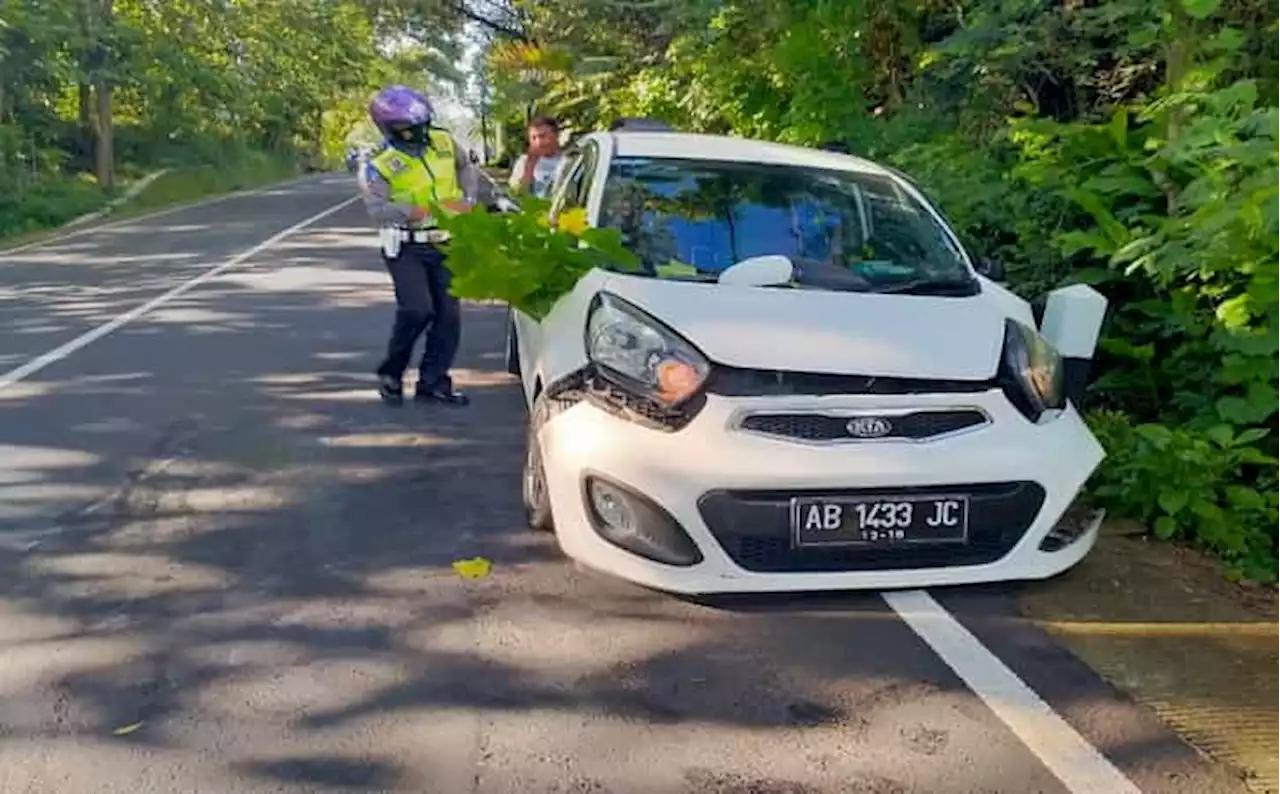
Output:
(564, 173)
(582, 186)
(578, 177)
(842, 230)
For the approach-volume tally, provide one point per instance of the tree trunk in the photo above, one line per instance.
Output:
(101, 18)
(104, 151)
(84, 119)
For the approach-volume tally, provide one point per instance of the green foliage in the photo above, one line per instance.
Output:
(50, 203)
(120, 87)
(520, 259)
(1212, 486)
(189, 184)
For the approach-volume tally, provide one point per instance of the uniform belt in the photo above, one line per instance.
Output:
(424, 235)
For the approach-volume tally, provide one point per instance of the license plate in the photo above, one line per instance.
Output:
(879, 520)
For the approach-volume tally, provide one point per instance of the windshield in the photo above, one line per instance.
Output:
(692, 219)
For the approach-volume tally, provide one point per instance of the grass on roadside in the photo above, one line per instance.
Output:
(45, 209)
(193, 183)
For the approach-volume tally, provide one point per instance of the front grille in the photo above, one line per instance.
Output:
(917, 426)
(754, 529)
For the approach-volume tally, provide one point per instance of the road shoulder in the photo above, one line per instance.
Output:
(1165, 626)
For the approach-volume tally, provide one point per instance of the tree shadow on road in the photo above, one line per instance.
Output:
(249, 553)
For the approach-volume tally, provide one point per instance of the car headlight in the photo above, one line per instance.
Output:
(642, 354)
(1031, 371)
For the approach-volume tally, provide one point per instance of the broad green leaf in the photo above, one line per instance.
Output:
(1221, 435)
(1172, 501)
(1250, 435)
(1246, 498)
(1206, 509)
(1234, 409)
(1165, 527)
(1120, 126)
(1234, 313)
(1200, 9)
(1229, 39)
(1159, 435)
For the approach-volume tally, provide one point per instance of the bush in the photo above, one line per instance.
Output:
(48, 198)
(1210, 487)
(50, 202)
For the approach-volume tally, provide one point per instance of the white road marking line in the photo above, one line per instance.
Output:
(62, 351)
(204, 202)
(1075, 762)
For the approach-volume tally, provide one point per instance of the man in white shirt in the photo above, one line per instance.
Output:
(536, 168)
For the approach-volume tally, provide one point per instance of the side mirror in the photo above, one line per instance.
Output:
(1071, 323)
(758, 271)
(990, 268)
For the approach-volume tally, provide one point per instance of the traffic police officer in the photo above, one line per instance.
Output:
(417, 166)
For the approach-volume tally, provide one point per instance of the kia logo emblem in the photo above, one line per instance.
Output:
(868, 427)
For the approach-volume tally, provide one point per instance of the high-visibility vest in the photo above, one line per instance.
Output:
(433, 177)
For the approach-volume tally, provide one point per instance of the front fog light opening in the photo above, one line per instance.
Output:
(1072, 525)
(634, 523)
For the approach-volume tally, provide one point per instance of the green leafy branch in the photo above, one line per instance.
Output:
(524, 260)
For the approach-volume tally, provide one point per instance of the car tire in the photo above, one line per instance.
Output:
(537, 502)
(513, 346)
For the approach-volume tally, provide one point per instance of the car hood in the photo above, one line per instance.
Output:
(908, 336)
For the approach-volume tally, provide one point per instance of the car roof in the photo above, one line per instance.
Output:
(694, 146)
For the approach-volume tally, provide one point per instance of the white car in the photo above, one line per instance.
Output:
(811, 386)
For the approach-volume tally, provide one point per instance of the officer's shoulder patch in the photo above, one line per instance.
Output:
(397, 165)
(441, 139)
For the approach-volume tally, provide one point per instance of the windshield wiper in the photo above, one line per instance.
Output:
(929, 286)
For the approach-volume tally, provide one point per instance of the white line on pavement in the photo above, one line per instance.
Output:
(204, 202)
(62, 351)
(1075, 762)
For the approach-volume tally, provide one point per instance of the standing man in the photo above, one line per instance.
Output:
(418, 165)
(536, 168)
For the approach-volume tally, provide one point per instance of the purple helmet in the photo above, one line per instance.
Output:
(397, 108)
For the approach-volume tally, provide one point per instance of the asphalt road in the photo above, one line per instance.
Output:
(225, 567)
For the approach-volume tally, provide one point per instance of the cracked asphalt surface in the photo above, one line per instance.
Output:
(225, 567)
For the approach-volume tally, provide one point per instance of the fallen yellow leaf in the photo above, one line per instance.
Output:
(474, 568)
(125, 730)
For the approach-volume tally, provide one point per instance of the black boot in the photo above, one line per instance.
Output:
(390, 390)
(440, 392)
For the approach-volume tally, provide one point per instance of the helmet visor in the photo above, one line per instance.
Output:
(415, 134)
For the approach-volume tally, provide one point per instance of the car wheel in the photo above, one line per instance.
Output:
(537, 502)
(513, 346)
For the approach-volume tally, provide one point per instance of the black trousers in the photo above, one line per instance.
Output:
(423, 304)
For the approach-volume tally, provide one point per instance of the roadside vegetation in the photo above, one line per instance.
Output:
(1128, 144)
(228, 94)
